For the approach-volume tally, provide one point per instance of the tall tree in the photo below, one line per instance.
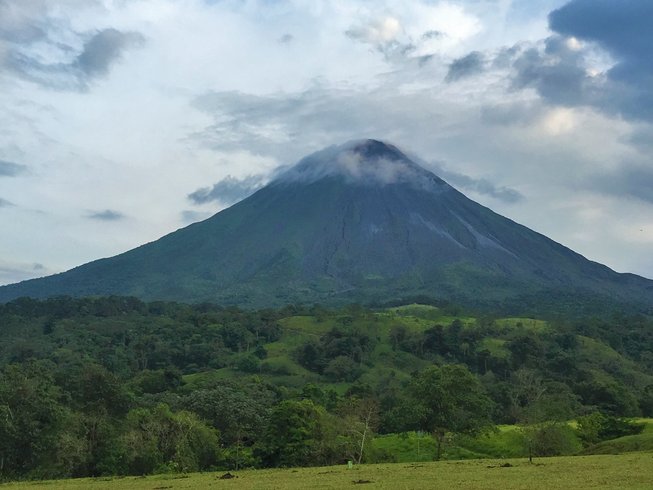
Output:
(299, 433)
(449, 399)
(359, 419)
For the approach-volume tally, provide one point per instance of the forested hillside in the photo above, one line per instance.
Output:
(117, 386)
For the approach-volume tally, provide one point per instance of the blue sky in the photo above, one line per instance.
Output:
(123, 120)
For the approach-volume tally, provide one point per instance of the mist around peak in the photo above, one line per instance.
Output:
(366, 162)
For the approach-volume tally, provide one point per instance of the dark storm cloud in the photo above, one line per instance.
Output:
(106, 215)
(624, 30)
(559, 73)
(467, 66)
(227, 191)
(11, 169)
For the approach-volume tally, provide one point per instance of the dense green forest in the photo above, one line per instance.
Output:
(113, 385)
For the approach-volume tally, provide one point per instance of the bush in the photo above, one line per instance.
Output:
(248, 363)
(551, 439)
(342, 368)
(598, 427)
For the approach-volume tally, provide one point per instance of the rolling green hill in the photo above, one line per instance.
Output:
(106, 386)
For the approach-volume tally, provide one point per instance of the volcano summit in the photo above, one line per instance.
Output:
(356, 222)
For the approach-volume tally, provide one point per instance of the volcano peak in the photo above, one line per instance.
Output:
(364, 162)
(358, 222)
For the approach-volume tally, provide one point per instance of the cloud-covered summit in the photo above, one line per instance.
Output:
(366, 162)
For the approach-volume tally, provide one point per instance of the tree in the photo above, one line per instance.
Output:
(359, 419)
(240, 416)
(158, 439)
(31, 418)
(449, 399)
(541, 409)
(298, 433)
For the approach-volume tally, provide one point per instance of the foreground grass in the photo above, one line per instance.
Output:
(630, 471)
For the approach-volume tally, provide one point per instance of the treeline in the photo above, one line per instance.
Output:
(104, 386)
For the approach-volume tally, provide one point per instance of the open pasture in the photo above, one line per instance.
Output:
(627, 471)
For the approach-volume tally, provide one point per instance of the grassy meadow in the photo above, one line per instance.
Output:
(627, 471)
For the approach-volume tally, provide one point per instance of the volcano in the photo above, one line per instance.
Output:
(359, 222)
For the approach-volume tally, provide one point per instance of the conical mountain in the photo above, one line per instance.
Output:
(356, 222)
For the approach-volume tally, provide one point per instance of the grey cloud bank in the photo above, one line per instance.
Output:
(561, 71)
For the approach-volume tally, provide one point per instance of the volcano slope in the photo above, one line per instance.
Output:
(359, 222)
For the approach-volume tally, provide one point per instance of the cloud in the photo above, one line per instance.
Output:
(103, 49)
(44, 51)
(603, 21)
(286, 39)
(5, 204)
(511, 113)
(566, 71)
(191, 216)
(432, 34)
(557, 74)
(106, 215)
(11, 169)
(227, 191)
(633, 180)
(386, 35)
(11, 272)
(467, 66)
(377, 32)
(480, 186)
(628, 89)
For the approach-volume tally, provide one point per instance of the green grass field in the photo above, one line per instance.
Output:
(631, 471)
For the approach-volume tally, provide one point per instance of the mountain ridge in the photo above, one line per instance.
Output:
(354, 222)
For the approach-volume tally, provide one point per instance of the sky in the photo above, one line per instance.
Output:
(124, 120)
